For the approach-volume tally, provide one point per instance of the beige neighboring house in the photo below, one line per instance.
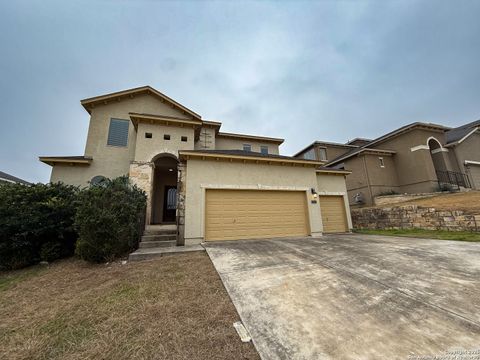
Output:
(416, 158)
(211, 185)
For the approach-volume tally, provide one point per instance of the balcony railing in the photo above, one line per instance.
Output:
(453, 178)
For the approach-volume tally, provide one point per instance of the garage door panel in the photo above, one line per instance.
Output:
(247, 214)
(333, 214)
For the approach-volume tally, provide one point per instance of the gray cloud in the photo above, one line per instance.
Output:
(331, 70)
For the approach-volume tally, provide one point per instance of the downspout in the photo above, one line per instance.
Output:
(368, 179)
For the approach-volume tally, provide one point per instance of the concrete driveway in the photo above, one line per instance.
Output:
(354, 296)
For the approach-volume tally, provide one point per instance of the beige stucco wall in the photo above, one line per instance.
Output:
(111, 161)
(206, 140)
(72, 175)
(147, 149)
(332, 151)
(205, 174)
(328, 184)
(222, 143)
(469, 149)
(369, 178)
(415, 169)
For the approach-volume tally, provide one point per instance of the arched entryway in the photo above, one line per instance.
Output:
(436, 152)
(164, 194)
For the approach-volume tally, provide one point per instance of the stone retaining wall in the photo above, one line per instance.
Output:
(414, 217)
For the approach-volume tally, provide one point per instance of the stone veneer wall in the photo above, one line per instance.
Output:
(181, 189)
(414, 217)
(141, 174)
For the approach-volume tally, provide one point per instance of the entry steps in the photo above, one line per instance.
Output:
(160, 240)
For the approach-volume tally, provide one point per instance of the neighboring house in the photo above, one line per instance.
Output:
(415, 158)
(4, 177)
(213, 185)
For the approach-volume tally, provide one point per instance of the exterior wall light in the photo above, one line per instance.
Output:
(314, 196)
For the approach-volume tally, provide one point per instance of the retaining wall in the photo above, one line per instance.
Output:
(414, 217)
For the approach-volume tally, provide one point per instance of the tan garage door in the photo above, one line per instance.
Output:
(254, 214)
(475, 176)
(333, 214)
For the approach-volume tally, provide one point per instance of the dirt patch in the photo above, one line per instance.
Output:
(171, 308)
(466, 201)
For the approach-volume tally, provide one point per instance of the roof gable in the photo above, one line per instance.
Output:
(90, 103)
(383, 138)
(460, 133)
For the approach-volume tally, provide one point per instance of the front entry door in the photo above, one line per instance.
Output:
(169, 203)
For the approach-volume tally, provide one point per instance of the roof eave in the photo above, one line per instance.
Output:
(334, 171)
(58, 160)
(186, 155)
(277, 141)
(131, 92)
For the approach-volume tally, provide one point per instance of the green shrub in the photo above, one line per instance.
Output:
(108, 219)
(36, 223)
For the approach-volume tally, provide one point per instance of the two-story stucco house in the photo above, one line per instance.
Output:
(209, 184)
(416, 158)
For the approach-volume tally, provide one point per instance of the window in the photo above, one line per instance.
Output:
(166, 137)
(148, 135)
(264, 149)
(172, 199)
(98, 180)
(309, 155)
(184, 139)
(382, 164)
(323, 154)
(118, 132)
(247, 147)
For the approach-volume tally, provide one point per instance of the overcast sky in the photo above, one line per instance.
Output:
(326, 70)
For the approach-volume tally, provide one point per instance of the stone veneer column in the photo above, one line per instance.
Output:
(141, 174)
(181, 190)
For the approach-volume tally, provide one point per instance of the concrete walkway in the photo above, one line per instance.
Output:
(353, 296)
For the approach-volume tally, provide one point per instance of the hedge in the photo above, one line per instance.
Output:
(36, 223)
(48, 222)
(109, 220)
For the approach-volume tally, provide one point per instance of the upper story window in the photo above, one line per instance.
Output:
(323, 154)
(382, 163)
(118, 132)
(264, 149)
(247, 147)
(309, 155)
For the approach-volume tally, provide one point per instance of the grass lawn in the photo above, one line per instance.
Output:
(172, 308)
(427, 234)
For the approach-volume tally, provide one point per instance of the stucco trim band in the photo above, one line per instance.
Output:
(435, 151)
(419, 147)
(136, 118)
(56, 160)
(471, 162)
(256, 159)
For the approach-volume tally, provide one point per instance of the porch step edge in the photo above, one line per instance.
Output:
(154, 244)
(151, 253)
(164, 237)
